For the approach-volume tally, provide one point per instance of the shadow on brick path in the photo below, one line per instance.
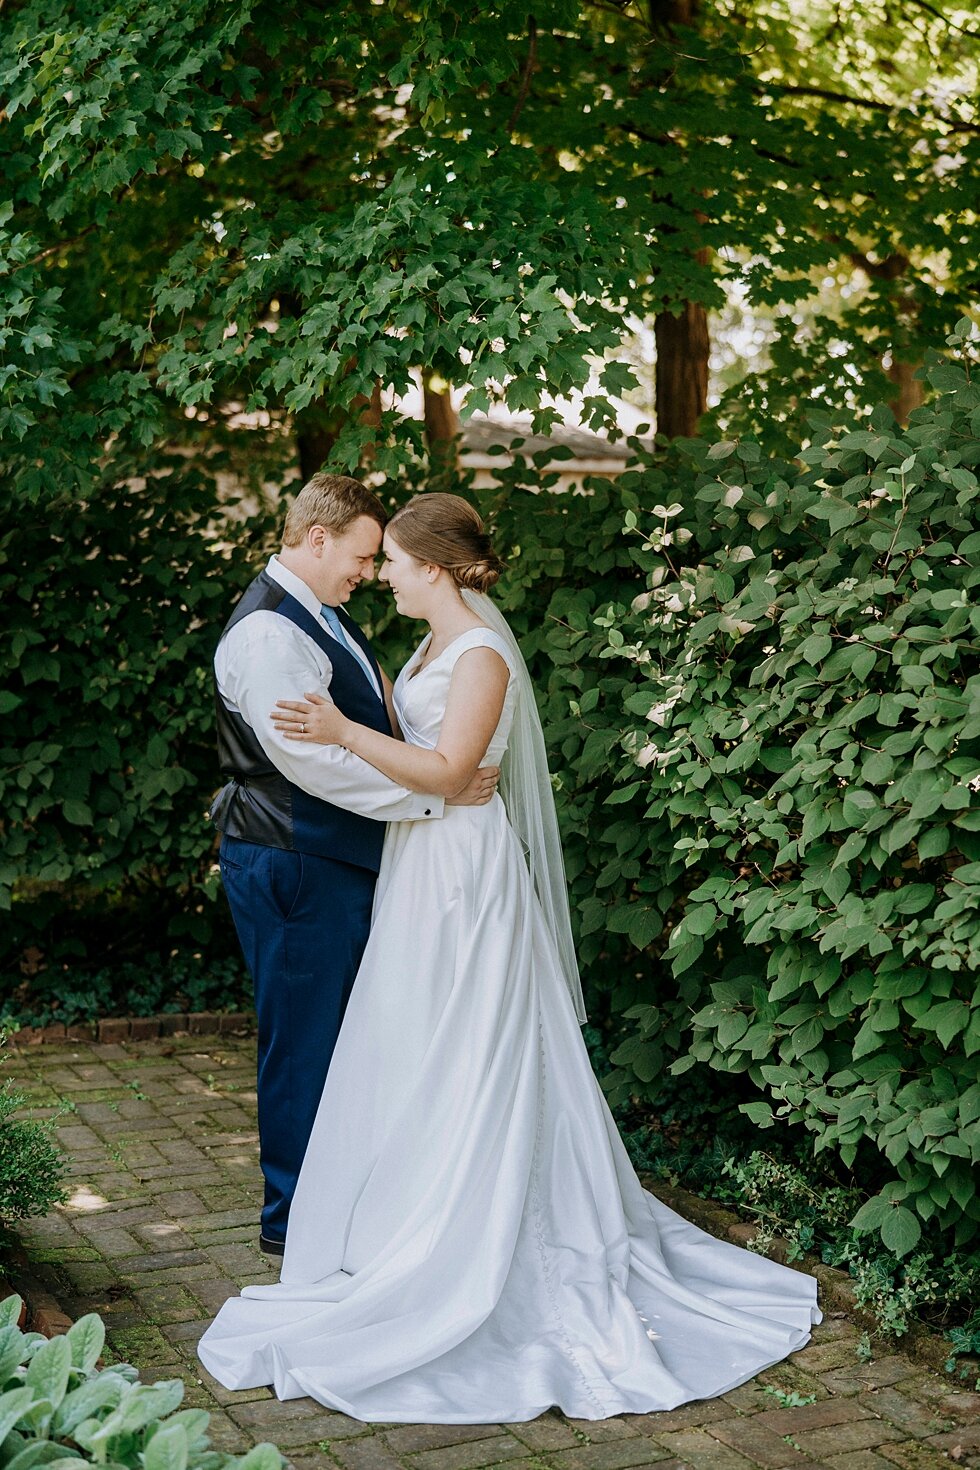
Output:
(161, 1227)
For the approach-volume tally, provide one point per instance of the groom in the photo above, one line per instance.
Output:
(303, 825)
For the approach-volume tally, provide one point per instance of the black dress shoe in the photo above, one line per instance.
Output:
(271, 1247)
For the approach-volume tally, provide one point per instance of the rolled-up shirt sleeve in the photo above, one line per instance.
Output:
(262, 659)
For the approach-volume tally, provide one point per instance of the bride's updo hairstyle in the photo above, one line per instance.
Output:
(445, 531)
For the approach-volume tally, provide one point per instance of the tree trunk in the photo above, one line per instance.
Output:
(368, 411)
(665, 14)
(909, 393)
(318, 426)
(316, 436)
(441, 425)
(901, 372)
(683, 346)
(683, 341)
(318, 429)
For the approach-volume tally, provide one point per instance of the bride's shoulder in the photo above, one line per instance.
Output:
(484, 637)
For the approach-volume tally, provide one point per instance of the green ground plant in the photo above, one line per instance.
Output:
(964, 1351)
(57, 1408)
(157, 984)
(32, 1166)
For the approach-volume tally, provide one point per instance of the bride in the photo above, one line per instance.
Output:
(468, 1242)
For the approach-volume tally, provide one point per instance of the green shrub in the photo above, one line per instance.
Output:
(58, 1409)
(32, 1166)
(113, 605)
(814, 1214)
(796, 828)
(568, 561)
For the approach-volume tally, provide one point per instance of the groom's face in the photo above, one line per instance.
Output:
(347, 559)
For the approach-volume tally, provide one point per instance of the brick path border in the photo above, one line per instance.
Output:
(41, 1311)
(138, 1028)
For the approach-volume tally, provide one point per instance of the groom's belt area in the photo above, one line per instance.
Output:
(220, 797)
(256, 808)
(270, 811)
(272, 780)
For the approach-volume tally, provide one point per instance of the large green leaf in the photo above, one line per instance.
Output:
(86, 1338)
(900, 1230)
(13, 1404)
(11, 1351)
(167, 1450)
(105, 1390)
(10, 1310)
(40, 1452)
(262, 1457)
(49, 1369)
(143, 1404)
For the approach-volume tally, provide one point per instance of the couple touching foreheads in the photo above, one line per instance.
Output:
(465, 1239)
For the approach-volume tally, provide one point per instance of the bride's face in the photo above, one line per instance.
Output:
(409, 579)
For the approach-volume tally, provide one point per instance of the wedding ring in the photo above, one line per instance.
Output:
(302, 729)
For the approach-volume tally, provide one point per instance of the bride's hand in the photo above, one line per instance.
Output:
(318, 721)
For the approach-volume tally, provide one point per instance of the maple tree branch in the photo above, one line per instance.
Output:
(532, 56)
(890, 269)
(923, 5)
(61, 244)
(956, 125)
(802, 90)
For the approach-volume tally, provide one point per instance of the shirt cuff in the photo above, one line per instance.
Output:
(430, 807)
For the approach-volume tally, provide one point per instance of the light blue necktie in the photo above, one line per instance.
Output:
(329, 616)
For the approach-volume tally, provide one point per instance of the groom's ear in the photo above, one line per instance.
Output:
(317, 538)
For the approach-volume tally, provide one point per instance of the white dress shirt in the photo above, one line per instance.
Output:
(266, 657)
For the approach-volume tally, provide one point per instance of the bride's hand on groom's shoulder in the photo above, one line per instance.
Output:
(313, 719)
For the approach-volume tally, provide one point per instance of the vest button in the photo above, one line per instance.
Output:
(428, 812)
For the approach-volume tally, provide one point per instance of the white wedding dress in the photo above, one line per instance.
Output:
(468, 1242)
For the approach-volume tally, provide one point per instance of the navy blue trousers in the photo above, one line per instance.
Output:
(302, 923)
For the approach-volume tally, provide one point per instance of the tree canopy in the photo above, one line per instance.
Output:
(283, 208)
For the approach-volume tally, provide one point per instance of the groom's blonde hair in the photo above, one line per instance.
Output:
(334, 502)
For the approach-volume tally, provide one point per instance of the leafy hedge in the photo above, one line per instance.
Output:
(795, 831)
(113, 603)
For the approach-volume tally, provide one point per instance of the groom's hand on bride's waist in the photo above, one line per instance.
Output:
(479, 790)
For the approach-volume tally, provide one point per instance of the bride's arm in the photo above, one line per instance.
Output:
(390, 706)
(476, 698)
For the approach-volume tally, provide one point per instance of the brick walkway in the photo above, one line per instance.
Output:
(161, 1228)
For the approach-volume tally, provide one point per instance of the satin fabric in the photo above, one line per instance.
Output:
(468, 1242)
